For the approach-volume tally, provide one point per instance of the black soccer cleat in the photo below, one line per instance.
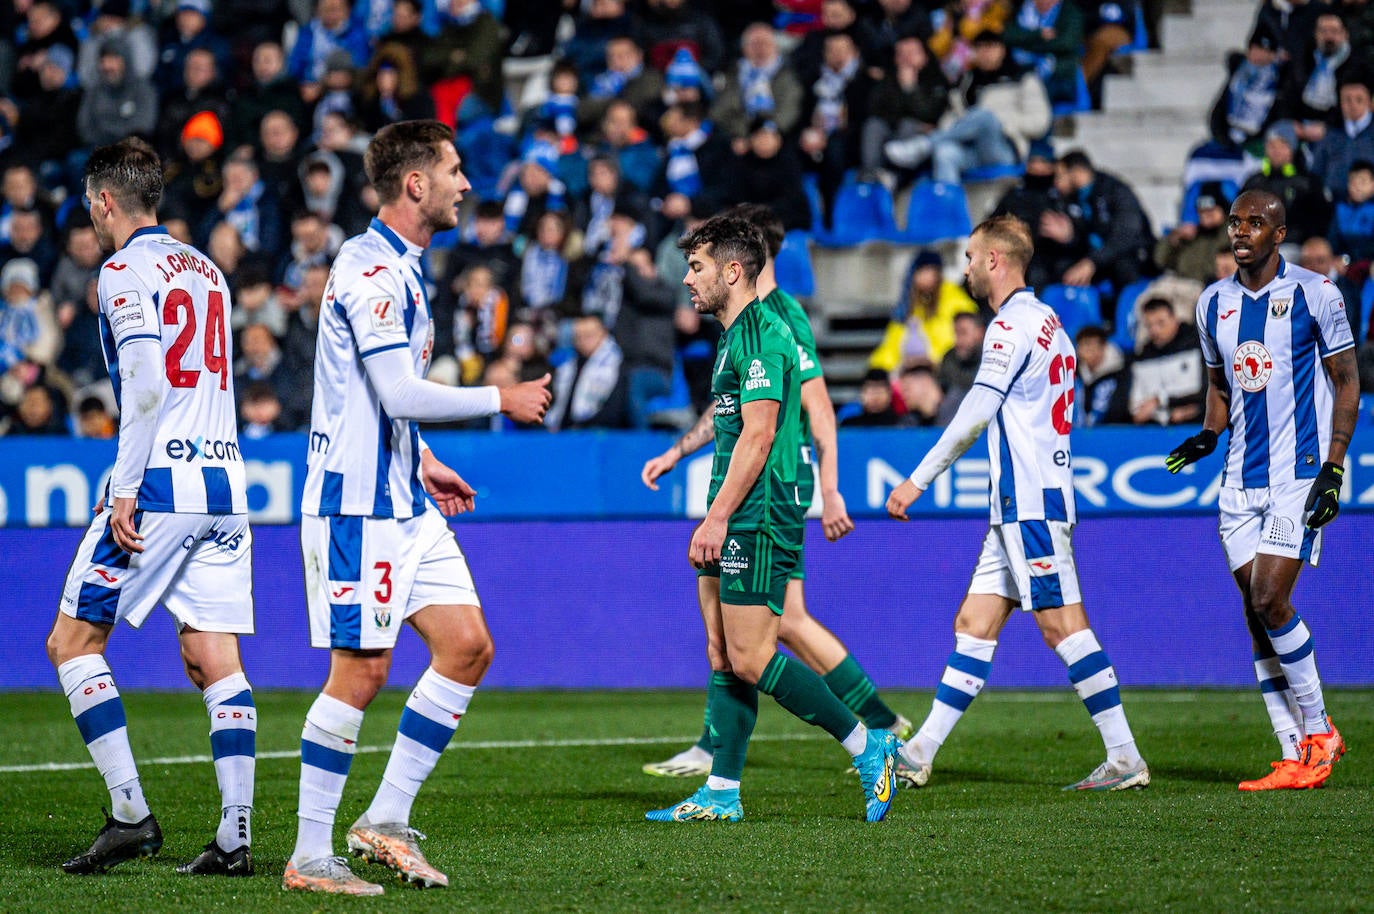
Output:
(117, 842)
(215, 862)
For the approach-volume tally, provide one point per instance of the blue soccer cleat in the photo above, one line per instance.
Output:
(877, 772)
(706, 805)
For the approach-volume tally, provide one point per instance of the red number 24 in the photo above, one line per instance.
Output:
(216, 360)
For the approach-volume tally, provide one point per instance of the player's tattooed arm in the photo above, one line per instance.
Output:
(1345, 378)
(699, 435)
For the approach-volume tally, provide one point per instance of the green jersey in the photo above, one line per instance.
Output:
(788, 310)
(756, 359)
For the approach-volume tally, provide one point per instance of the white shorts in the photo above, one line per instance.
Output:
(1030, 562)
(199, 566)
(364, 576)
(1272, 520)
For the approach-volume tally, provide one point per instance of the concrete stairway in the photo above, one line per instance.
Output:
(1153, 117)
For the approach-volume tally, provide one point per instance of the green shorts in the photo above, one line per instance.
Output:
(753, 570)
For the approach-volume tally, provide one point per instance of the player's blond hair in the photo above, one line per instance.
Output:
(1009, 236)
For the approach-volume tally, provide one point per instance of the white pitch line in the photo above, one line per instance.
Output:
(368, 750)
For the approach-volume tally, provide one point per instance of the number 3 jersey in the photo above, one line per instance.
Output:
(361, 461)
(1029, 360)
(155, 288)
(1270, 345)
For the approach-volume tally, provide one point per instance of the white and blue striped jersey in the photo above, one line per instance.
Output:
(1270, 345)
(361, 461)
(157, 288)
(1029, 360)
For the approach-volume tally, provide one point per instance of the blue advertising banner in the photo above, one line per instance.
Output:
(612, 604)
(587, 475)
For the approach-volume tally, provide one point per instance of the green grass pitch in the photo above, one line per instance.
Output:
(538, 806)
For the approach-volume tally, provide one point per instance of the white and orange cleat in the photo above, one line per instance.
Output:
(329, 875)
(395, 846)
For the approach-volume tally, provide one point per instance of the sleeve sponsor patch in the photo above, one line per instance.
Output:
(384, 313)
(804, 358)
(758, 377)
(126, 313)
(997, 356)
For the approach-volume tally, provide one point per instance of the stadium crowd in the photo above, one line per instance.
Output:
(654, 115)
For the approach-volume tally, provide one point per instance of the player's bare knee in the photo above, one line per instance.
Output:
(985, 629)
(1270, 605)
(71, 639)
(748, 664)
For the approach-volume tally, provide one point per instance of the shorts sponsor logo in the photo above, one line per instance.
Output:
(341, 592)
(758, 379)
(1042, 565)
(734, 560)
(188, 449)
(223, 541)
(1252, 366)
(383, 313)
(1282, 532)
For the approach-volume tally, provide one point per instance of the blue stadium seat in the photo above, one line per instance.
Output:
(1082, 99)
(812, 189)
(862, 212)
(936, 212)
(678, 397)
(993, 172)
(1187, 210)
(1366, 309)
(1123, 329)
(793, 266)
(1077, 306)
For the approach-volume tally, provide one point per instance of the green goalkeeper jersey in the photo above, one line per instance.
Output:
(756, 359)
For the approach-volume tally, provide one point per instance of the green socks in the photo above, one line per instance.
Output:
(704, 742)
(732, 709)
(806, 695)
(852, 686)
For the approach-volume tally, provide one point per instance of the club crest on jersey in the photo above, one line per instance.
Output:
(383, 313)
(382, 616)
(757, 377)
(1278, 307)
(1252, 366)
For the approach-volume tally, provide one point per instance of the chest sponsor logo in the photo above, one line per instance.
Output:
(383, 313)
(1252, 366)
(1278, 307)
(758, 378)
(726, 405)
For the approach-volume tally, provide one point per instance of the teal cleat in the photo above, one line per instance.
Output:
(877, 772)
(706, 805)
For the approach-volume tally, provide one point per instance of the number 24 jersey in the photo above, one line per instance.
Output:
(157, 288)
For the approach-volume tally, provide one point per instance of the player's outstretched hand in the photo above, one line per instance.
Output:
(449, 490)
(123, 528)
(1323, 502)
(835, 520)
(658, 466)
(527, 402)
(902, 497)
(1191, 450)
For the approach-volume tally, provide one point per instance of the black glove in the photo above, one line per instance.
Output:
(1192, 450)
(1323, 502)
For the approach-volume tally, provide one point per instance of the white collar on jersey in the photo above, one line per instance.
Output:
(401, 246)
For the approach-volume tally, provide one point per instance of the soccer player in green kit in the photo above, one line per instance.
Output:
(800, 632)
(750, 540)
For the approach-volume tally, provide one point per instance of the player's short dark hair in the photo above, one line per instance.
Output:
(130, 172)
(401, 148)
(1362, 165)
(765, 220)
(1010, 235)
(1076, 158)
(915, 368)
(1090, 332)
(727, 237)
(260, 392)
(971, 316)
(1267, 200)
(1157, 304)
(91, 403)
(877, 376)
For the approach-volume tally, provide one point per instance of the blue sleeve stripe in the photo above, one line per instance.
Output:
(386, 348)
(139, 336)
(999, 392)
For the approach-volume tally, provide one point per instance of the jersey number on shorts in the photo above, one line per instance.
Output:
(1061, 371)
(383, 592)
(179, 300)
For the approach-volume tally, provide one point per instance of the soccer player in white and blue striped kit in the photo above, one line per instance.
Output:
(1023, 395)
(1283, 378)
(377, 550)
(172, 525)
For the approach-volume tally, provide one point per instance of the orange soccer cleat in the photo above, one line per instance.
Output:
(1316, 754)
